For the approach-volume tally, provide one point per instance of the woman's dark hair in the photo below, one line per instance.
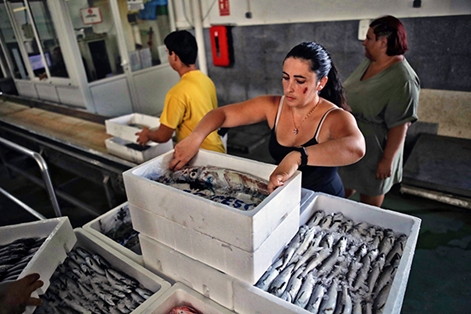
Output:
(390, 27)
(183, 43)
(322, 65)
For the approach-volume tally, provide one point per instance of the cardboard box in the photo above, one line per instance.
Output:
(59, 239)
(135, 152)
(127, 126)
(249, 299)
(169, 263)
(181, 295)
(246, 230)
(120, 262)
(246, 266)
(99, 231)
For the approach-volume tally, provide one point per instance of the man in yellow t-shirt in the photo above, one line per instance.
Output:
(189, 100)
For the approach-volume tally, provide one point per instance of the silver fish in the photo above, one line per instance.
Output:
(94, 265)
(375, 271)
(304, 293)
(316, 218)
(328, 304)
(381, 299)
(280, 283)
(316, 298)
(386, 244)
(398, 248)
(267, 278)
(316, 260)
(294, 285)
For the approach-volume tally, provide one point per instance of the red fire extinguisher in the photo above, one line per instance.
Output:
(220, 45)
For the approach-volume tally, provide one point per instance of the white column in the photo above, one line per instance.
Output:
(196, 8)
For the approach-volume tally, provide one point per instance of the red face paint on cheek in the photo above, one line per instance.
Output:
(305, 90)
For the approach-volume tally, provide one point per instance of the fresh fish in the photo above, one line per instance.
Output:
(267, 278)
(94, 265)
(346, 226)
(386, 244)
(328, 304)
(304, 293)
(183, 310)
(220, 178)
(306, 242)
(385, 278)
(375, 271)
(292, 246)
(144, 293)
(380, 300)
(316, 298)
(316, 218)
(310, 251)
(280, 283)
(294, 285)
(325, 222)
(316, 260)
(398, 248)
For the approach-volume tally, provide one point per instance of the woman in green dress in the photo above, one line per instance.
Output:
(383, 93)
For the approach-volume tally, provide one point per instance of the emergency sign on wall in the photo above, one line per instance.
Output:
(224, 7)
(91, 15)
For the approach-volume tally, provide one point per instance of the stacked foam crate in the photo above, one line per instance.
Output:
(124, 143)
(57, 238)
(234, 243)
(112, 228)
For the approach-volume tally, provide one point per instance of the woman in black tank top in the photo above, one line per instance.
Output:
(310, 131)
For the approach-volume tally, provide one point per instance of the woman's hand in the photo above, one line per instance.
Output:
(143, 136)
(384, 169)
(183, 152)
(18, 294)
(285, 170)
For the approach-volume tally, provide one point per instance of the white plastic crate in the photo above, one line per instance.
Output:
(246, 266)
(246, 230)
(94, 228)
(249, 299)
(134, 152)
(127, 126)
(181, 295)
(121, 263)
(207, 280)
(60, 239)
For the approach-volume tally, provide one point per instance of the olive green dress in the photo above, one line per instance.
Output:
(384, 101)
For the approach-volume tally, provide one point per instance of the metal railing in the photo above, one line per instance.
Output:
(45, 175)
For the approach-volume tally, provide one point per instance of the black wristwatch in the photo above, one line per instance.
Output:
(302, 150)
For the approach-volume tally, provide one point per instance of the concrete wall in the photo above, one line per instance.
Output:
(440, 53)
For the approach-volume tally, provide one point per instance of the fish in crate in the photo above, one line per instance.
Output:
(230, 187)
(87, 283)
(335, 265)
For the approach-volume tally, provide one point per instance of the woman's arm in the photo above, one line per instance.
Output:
(247, 112)
(340, 143)
(396, 137)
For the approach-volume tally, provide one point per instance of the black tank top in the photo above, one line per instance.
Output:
(319, 179)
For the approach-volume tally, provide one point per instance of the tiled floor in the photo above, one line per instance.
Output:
(440, 276)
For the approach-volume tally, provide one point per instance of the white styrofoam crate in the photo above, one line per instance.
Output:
(246, 230)
(207, 280)
(117, 146)
(122, 126)
(120, 262)
(246, 266)
(93, 227)
(60, 239)
(181, 295)
(249, 299)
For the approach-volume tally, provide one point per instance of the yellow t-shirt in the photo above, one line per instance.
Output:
(187, 103)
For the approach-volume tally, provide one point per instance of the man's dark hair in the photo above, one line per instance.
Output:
(183, 43)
